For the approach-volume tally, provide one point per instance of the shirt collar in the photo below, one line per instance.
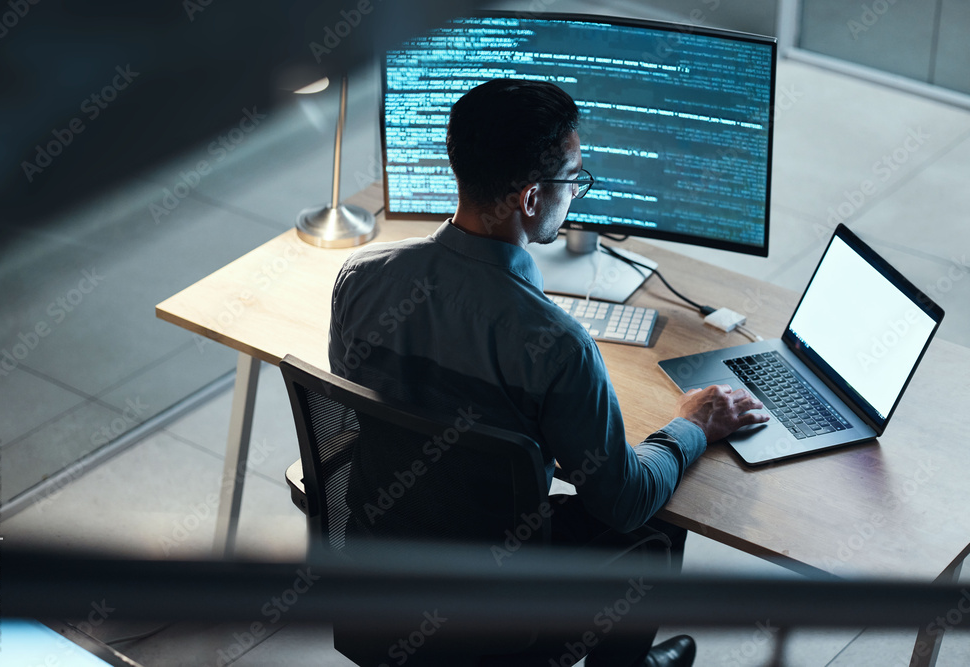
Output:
(511, 257)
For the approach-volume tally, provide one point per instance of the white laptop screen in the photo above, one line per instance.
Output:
(862, 325)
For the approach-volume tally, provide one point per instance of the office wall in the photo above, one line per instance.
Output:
(924, 40)
(757, 16)
(953, 48)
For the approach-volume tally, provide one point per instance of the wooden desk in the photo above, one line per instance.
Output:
(895, 506)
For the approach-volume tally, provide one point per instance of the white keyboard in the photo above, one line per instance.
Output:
(611, 322)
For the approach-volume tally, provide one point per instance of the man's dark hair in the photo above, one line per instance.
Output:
(507, 133)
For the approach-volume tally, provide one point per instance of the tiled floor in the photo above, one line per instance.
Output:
(80, 291)
(832, 134)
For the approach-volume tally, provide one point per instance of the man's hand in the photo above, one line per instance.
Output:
(719, 411)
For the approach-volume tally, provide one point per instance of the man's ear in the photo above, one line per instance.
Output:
(529, 200)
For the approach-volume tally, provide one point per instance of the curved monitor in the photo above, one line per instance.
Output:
(676, 120)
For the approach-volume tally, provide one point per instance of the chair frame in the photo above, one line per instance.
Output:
(523, 454)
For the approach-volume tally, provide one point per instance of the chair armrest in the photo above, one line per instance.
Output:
(294, 479)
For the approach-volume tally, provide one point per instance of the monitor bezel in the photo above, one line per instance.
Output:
(622, 230)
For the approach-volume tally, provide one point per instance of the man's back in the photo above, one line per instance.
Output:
(458, 323)
(427, 323)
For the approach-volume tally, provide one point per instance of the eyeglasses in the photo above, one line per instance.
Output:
(581, 185)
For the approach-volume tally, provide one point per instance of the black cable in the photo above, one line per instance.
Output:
(143, 635)
(704, 310)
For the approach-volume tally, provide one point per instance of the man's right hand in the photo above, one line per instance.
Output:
(719, 410)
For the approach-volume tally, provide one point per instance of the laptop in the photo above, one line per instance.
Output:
(837, 373)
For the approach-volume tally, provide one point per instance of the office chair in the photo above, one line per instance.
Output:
(432, 494)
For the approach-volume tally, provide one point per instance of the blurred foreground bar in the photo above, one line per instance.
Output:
(383, 591)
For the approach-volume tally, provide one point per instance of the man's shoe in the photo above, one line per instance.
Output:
(677, 651)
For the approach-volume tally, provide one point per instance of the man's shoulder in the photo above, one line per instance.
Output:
(379, 254)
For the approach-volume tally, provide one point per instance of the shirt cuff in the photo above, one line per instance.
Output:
(689, 436)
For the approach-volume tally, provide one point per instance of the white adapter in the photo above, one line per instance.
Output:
(725, 319)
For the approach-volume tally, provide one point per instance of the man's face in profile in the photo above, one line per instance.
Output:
(557, 197)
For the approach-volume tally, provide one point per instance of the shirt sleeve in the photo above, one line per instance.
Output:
(622, 486)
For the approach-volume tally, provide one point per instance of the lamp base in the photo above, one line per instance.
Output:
(340, 227)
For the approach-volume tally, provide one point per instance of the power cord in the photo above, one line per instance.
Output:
(750, 334)
(704, 310)
(722, 318)
(143, 635)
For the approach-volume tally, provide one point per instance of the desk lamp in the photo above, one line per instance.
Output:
(335, 225)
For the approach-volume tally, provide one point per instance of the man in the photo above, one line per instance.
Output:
(459, 318)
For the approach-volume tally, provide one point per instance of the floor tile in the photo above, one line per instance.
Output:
(924, 214)
(817, 647)
(112, 629)
(30, 242)
(955, 649)
(159, 499)
(270, 525)
(703, 556)
(29, 402)
(294, 149)
(754, 646)
(894, 647)
(58, 444)
(839, 133)
(879, 647)
(273, 444)
(113, 332)
(191, 644)
(168, 381)
(40, 305)
(296, 646)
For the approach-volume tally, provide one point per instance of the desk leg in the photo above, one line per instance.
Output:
(237, 451)
(927, 647)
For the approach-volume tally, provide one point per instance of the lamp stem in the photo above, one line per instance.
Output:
(335, 200)
(337, 225)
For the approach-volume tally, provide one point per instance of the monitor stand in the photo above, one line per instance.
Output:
(574, 266)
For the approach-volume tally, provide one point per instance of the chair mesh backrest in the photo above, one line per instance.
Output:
(335, 430)
(371, 477)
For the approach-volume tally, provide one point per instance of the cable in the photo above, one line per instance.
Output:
(704, 310)
(143, 635)
(596, 276)
(747, 332)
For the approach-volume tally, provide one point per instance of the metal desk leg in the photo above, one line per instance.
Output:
(927, 647)
(237, 451)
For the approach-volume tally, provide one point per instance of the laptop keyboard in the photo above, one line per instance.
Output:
(612, 322)
(788, 398)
